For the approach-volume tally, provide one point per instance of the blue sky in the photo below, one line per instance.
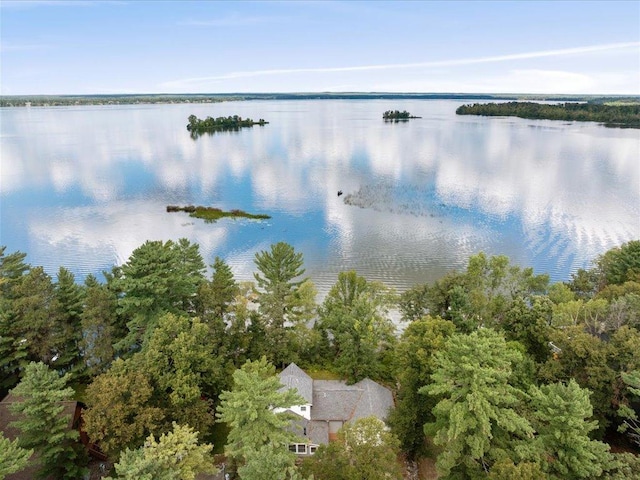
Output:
(88, 47)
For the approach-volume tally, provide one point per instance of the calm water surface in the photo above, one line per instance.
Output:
(83, 187)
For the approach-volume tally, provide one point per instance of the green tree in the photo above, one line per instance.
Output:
(13, 351)
(159, 277)
(355, 315)
(177, 358)
(415, 353)
(527, 322)
(631, 423)
(36, 316)
(216, 296)
(69, 298)
(13, 458)
(365, 449)
(282, 306)
(560, 416)
(477, 417)
(250, 411)
(43, 425)
(121, 412)
(269, 462)
(584, 358)
(98, 320)
(507, 470)
(174, 456)
(621, 264)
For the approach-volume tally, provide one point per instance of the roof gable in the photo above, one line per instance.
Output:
(293, 377)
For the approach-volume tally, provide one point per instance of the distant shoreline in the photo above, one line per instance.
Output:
(71, 100)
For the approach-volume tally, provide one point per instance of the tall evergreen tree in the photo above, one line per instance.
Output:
(98, 320)
(477, 417)
(562, 445)
(250, 410)
(159, 277)
(69, 298)
(281, 305)
(36, 316)
(13, 351)
(43, 425)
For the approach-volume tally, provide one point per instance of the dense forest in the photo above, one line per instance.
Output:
(612, 115)
(497, 373)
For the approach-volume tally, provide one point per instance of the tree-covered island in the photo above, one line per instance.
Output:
(212, 214)
(397, 115)
(211, 124)
(611, 115)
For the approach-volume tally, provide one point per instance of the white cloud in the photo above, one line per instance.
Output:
(190, 82)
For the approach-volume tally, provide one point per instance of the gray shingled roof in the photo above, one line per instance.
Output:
(294, 377)
(335, 400)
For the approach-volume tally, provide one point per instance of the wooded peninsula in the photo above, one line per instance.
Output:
(618, 114)
(172, 370)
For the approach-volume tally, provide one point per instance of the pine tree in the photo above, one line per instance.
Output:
(561, 416)
(174, 456)
(43, 425)
(249, 410)
(477, 417)
(13, 458)
(281, 304)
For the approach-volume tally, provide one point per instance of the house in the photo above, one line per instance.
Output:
(72, 410)
(329, 404)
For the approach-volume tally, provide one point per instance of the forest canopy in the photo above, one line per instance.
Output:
(611, 115)
(496, 371)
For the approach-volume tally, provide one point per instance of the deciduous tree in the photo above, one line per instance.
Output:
(364, 449)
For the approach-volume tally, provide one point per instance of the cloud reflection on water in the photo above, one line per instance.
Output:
(547, 194)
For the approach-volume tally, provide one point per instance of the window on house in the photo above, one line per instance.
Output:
(312, 449)
(299, 448)
(303, 408)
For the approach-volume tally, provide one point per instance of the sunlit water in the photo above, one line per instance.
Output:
(82, 187)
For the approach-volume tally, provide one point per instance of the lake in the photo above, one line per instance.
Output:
(82, 187)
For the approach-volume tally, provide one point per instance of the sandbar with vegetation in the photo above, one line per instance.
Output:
(212, 214)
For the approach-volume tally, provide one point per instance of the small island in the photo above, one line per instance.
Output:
(212, 214)
(210, 124)
(397, 116)
(619, 114)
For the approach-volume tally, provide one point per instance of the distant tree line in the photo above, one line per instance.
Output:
(509, 376)
(618, 115)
